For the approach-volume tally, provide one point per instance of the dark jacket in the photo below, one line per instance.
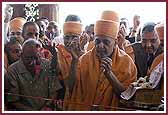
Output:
(141, 59)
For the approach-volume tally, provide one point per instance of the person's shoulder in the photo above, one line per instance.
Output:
(122, 54)
(159, 51)
(138, 49)
(124, 57)
(129, 49)
(159, 57)
(86, 54)
(15, 65)
(137, 45)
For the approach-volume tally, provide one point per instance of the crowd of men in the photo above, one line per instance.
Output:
(47, 71)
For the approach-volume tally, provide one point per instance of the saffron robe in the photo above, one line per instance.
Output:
(91, 85)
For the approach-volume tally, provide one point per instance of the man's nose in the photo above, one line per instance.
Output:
(148, 44)
(101, 45)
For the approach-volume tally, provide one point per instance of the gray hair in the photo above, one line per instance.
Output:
(31, 43)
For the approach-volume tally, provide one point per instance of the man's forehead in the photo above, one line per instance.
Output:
(31, 47)
(15, 47)
(149, 35)
(71, 35)
(103, 37)
(32, 28)
(28, 49)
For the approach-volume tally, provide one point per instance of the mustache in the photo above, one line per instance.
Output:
(151, 47)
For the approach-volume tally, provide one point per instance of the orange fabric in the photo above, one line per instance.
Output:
(65, 59)
(156, 61)
(16, 25)
(107, 28)
(89, 73)
(110, 15)
(90, 45)
(72, 28)
(129, 50)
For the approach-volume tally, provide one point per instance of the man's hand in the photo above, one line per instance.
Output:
(74, 49)
(106, 65)
(107, 69)
(51, 47)
(136, 22)
(84, 39)
(121, 37)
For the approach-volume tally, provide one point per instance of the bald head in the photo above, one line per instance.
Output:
(30, 30)
(31, 43)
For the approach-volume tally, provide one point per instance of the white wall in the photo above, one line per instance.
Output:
(91, 11)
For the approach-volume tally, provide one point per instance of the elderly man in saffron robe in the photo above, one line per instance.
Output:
(100, 75)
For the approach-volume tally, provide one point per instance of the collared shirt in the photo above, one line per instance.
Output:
(20, 81)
